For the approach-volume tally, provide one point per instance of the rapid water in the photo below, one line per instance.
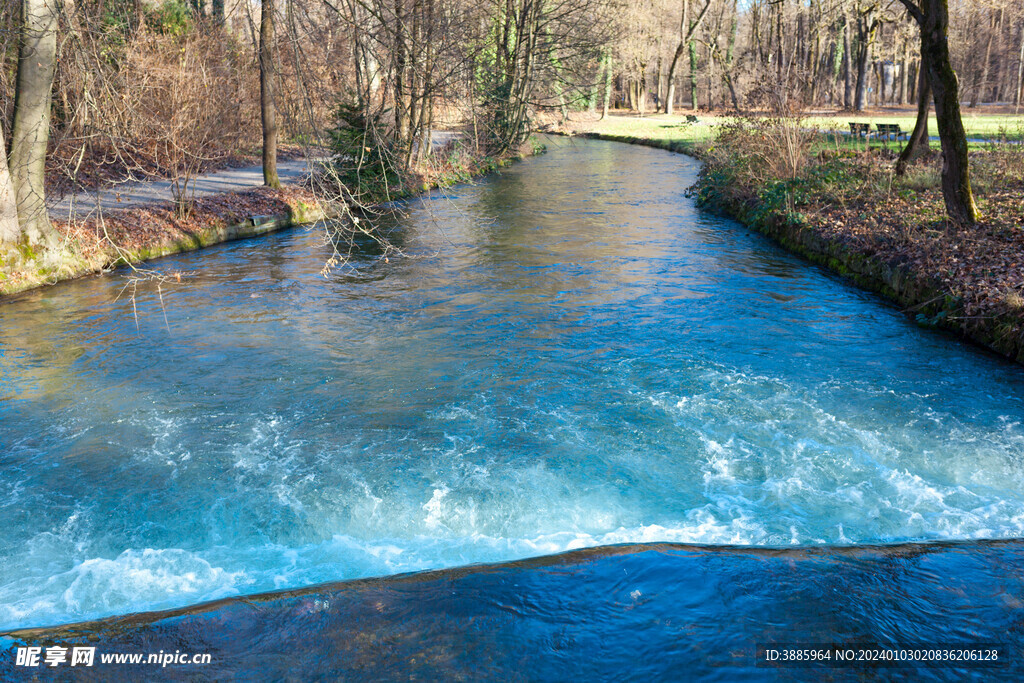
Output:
(569, 354)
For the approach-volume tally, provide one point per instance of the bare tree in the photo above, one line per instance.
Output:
(687, 29)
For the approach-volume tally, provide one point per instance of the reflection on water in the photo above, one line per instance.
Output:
(569, 355)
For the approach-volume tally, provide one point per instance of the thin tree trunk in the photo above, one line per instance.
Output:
(905, 73)
(917, 144)
(400, 59)
(847, 70)
(607, 84)
(37, 58)
(595, 86)
(268, 111)
(780, 53)
(658, 83)
(641, 89)
(709, 80)
(693, 75)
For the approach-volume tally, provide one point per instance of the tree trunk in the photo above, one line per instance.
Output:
(676, 56)
(978, 95)
(999, 63)
(730, 54)
(861, 92)
(400, 58)
(693, 75)
(641, 89)
(607, 84)
(905, 74)
(780, 54)
(10, 231)
(670, 98)
(933, 18)
(1020, 72)
(917, 144)
(37, 58)
(865, 32)
(658, 83)
(268, 111)
(847, 70)
(956, 175)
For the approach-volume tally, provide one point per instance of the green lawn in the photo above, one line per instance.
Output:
(675, 129)
(980, 126)
(657, 126)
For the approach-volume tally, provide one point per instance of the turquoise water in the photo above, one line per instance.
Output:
(569, 354)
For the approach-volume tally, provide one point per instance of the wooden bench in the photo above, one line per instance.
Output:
(690, 118)
(860, 130)
(890, 131)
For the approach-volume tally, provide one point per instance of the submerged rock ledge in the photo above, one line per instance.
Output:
(639, 610)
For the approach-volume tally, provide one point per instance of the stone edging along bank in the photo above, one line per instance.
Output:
(251, 227)
(928, 303)
(71, 266)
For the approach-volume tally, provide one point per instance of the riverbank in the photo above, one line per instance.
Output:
(92, 241)
(848, 211)
(129, 236)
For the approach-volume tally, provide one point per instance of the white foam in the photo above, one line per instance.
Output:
(735, 459)
(98, 586)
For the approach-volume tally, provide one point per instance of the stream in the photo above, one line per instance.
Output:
(569, 354)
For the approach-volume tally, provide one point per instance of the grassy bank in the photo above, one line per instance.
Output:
(847, 210)
(663, 130)
(978, 126)
(131, 236)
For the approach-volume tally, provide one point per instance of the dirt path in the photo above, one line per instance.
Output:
(146, 192)
(141, 193)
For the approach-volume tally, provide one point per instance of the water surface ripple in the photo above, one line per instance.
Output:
(570, 355)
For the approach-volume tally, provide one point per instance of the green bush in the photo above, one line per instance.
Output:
(363, 158)
(172, 18)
